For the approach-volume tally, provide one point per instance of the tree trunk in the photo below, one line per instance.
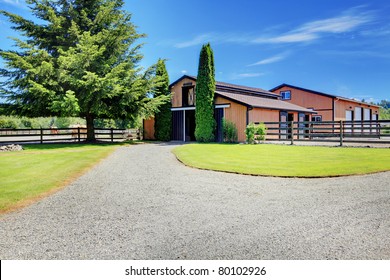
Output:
(90, 129)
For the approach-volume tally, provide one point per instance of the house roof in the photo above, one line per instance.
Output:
(322, 93)
(226, 87)
(261, 102)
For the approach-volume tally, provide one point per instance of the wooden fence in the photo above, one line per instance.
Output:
(329, 131)
(75, 134)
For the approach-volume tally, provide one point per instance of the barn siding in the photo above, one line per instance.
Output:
(176, 92)
(236, 113)
(148, 126)
(322, 104)
(341, 106)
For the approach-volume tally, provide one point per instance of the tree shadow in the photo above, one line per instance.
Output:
(53, 146)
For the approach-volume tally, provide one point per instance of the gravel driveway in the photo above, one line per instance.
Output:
(141, 203)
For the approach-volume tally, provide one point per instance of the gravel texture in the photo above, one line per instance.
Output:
(141, 203)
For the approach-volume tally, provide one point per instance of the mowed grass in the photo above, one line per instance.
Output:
(283, 160)
(39, 170)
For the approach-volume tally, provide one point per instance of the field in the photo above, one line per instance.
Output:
(42, 169)
(284, 160)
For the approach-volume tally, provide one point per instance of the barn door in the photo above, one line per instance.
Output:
(218, 115)
(301, 125)
(177, 125)
(283, 125)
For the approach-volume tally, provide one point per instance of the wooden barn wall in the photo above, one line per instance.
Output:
(263, 115)
(322, 104)
(176, 91)
(236, 113)
(149, 129)
(343, 105)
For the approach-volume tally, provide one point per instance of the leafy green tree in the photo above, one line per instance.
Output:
(163, 118)
(384, 110)
(78, 59)
(384, 114)
(205, 88)
(385, 104)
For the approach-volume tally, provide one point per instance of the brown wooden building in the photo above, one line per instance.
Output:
(328, 107)
(239, 104)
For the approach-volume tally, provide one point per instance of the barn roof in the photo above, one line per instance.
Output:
(227, 87)
(261, 102)
(322, 93)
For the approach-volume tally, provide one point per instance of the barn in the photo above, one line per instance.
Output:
(238, 104)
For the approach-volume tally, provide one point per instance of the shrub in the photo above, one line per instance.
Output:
(260, 132)
(250, 133)
(204, 92)
(163, 118)
(230, 134)
(255, 133)
(385, 130)
(8, 122)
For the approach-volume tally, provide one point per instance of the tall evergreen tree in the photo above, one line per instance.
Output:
(163, 118)
(205, 88)
(79, 59)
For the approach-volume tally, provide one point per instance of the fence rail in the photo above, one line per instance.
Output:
(330, 131)
(72, 134)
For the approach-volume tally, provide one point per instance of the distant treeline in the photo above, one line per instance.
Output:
(384, 111)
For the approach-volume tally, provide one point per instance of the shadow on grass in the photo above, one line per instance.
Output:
(70, 145)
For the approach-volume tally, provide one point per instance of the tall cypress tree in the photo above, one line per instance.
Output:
(163, 118)
(79, 59)
(205, 89)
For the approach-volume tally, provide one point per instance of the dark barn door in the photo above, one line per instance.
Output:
(190, 125)
(283, 125)
(177, 125)
(218, 115)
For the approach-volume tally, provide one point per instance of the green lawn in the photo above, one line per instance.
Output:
(40, 169)
(283, 160)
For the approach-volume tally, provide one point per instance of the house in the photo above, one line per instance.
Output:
(238, 104)
(329, 107)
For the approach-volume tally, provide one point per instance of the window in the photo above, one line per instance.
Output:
(188, 96)
(286, 95)
(316, 119)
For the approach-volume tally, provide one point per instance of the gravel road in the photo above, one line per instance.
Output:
(141, 203)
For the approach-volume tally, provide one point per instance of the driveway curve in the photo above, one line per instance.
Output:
(141, 203)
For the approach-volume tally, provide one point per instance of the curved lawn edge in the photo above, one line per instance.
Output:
(233, 160)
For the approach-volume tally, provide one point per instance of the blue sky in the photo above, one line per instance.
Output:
(338, 47)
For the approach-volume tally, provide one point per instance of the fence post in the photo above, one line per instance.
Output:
(78, 134)
(112, 134)
(292, 132)
(341, 133)
(41, 135)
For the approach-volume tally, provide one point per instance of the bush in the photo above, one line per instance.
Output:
(255, 133)
(385, 130)
(205, 87)
(230, 134)
(260, 132)
(8, 123)
(250, 133)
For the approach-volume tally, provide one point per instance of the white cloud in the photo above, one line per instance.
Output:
(271, 59)
(184, 72)
(288, 38)
(198, 40)
(246, 75)
(213, 38)
(310, 31)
